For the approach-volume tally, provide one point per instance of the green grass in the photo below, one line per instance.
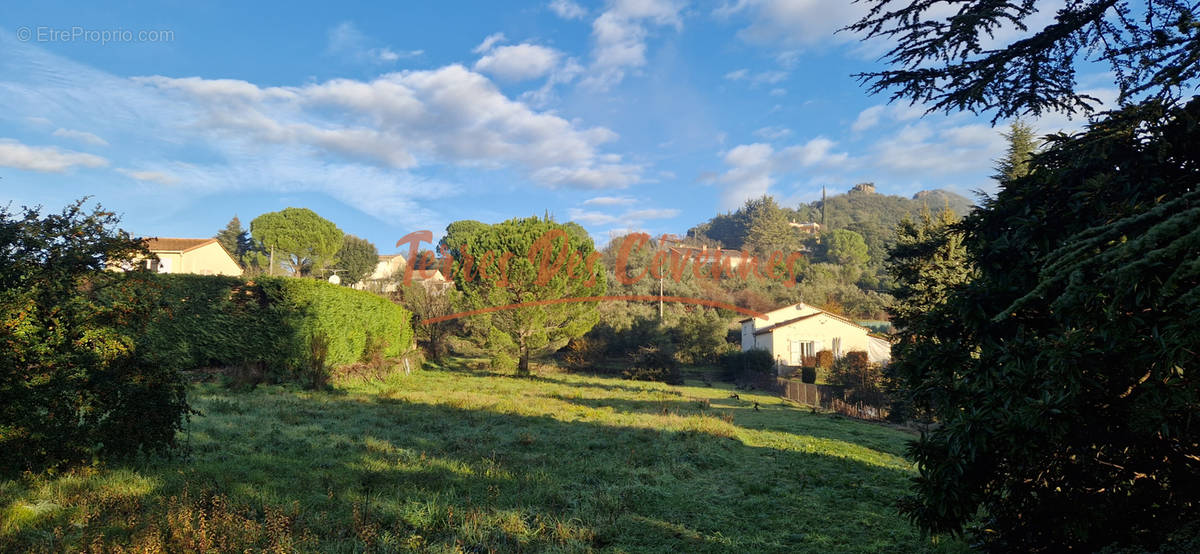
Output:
(457, 460)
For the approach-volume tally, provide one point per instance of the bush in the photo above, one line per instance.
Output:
(654, 363)
(824, 359)
(863, 380)
(73, 385)
(700, 337)
(808, 374)
(288, 326)
(756, 361)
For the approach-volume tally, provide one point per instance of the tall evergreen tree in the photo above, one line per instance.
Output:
(1022, 143)
(236, 240)
(928, 263)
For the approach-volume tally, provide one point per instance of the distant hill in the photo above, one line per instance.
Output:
(874, 216)
(937, 199)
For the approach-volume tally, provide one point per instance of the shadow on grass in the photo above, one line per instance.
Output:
(377, 472)
(778, 416)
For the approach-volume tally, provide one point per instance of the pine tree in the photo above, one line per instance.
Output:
(231, 238)
(1022, 143)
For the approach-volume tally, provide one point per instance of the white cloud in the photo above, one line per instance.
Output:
(567, 9)
(749, 176)
(409, 119)
(488, 42)
(867, 118)
(82, 136)
(630, 219)
(519, 62)
(772, 133)
(753, 167)
(925, 148)
(619, 36)
(150, 176)
(346, 41)
(609, 201)
(47, 159)
(651, 213)
(756, 79)
(737, 75)
(793, 23)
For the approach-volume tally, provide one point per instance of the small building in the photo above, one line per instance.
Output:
(809, 228)
(199, 256)
(795, 333)
(389, 273)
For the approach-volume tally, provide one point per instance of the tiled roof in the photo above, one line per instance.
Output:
(771, 328)
(157, 244)
(793, 320)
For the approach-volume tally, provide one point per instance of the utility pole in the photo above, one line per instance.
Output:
(271, 271)
(660, 284)
(660, 296)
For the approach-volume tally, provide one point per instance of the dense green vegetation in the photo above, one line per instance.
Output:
(289, 327)
(1062, 369)
(463, 460)
(301, 242)
(73, 387)
(522, 261)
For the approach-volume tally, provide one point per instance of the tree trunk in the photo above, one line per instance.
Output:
(523, 365)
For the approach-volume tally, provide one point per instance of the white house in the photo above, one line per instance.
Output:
(795, 332)
(389, 271)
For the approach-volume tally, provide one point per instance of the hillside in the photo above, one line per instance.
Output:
(874, 216)
(463, 460)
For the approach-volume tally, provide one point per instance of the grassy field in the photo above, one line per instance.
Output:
(459, 460)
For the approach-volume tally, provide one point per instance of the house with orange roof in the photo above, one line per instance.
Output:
(199, 256)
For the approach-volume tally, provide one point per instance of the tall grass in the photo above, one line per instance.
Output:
(458, 460)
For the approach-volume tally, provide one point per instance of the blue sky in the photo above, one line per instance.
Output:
(634, 114)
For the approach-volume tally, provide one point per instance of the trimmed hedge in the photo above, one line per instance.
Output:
(215, 321)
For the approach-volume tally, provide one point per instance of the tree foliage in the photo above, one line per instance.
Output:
(845, 247)
(942, 59)
(236, 240)
(928, 263)
(357, 259)
(303, 242)
(73, 387)
(1021, 145)
(1064, 372)
(522, 261)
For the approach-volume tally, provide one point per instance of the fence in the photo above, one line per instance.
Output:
(830, 397)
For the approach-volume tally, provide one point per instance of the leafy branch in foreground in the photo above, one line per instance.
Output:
(944, 57)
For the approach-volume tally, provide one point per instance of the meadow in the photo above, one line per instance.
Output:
(459, 460)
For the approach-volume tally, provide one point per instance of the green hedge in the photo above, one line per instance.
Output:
(214, 321)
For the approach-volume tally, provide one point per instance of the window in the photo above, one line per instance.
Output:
(837, 347)
(799, 350)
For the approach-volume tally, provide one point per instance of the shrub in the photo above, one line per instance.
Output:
(824, 359)
(700, 337)
(653, 363)
(863, 380)
(73, 385)
(582, 352)
(280, 323)
(736, 365)
(808, 374)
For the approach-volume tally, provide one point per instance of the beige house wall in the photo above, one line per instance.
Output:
(210, 259)
(821, 330)
(818, 328)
